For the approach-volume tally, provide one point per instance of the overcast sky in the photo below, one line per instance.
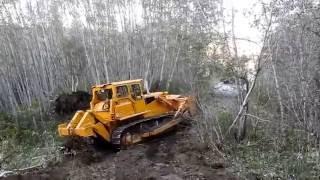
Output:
(243, 24)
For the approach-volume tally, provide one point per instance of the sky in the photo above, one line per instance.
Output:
(243, 29)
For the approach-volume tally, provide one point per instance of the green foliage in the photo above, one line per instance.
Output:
(178, 87)
(262, 157)
(262, 98)
(225, 120)
(23, 145)
(229, 70)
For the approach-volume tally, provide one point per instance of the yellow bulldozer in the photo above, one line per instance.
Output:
(122, 114)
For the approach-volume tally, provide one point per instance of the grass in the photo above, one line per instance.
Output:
(24, 142)
(264, 158)
(225, 120)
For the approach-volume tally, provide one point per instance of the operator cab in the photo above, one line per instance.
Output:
(123, 93)
(101, 97)
(104, 94)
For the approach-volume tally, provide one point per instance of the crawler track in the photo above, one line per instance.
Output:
(137, 131)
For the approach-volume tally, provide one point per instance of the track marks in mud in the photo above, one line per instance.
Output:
(176, 155)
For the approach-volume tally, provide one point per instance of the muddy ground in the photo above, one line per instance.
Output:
(174, 156)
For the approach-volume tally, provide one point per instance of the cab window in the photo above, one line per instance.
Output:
(136, 90)
(104, 94)
(122, 91)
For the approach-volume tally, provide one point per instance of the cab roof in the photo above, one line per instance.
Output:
(119, 83)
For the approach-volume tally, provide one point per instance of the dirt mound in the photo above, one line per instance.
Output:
(174, 156)
(69, 103)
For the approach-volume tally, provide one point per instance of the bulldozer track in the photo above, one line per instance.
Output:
(118, 132)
